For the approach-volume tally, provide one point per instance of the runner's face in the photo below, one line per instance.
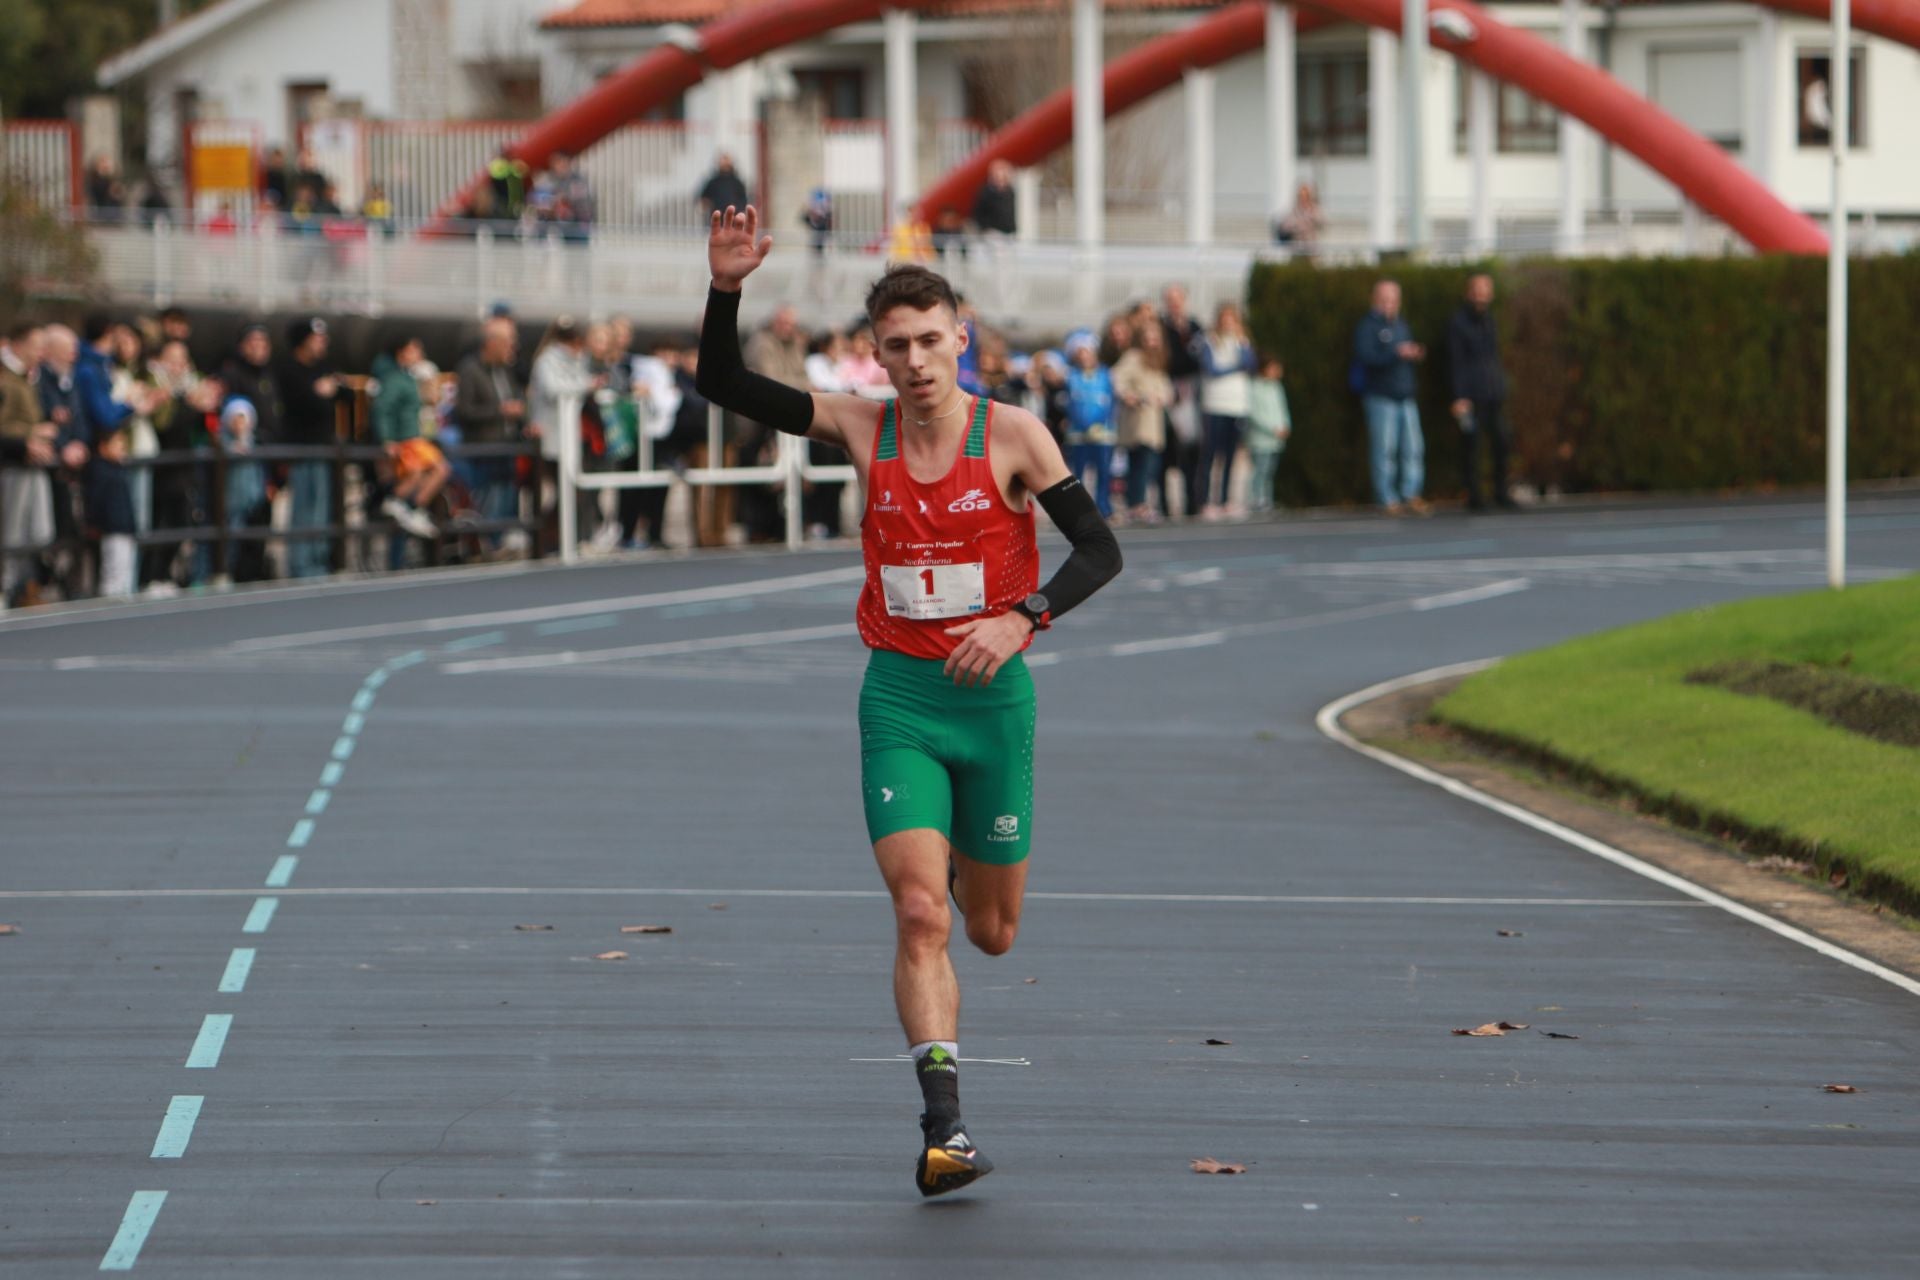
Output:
(920, 350)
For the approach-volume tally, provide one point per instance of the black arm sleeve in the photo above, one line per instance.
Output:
(724, 378)
(1095, 559)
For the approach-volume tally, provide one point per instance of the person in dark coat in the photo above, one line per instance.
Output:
(1479, 390)
(1385, 354)
(307, 391)
(723, 187)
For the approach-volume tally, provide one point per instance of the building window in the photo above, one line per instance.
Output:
(842, 91)
(1700, 86)
(1330, 104)
(1813, 74)
(1522, 124)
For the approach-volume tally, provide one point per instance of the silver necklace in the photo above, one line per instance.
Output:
(921, 422)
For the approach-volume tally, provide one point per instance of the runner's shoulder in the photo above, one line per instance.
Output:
(852, 419)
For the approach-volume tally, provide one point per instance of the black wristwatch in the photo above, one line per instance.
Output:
(1036, 609)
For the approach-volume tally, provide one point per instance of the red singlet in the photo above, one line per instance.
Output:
(939, 553)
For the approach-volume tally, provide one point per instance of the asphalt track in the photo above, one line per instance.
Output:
(395, 1081)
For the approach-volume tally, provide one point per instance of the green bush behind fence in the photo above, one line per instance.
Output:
(1660, 374)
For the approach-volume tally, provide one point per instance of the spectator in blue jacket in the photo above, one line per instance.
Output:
(109, 493)
(1090, 428)
(1384, 356)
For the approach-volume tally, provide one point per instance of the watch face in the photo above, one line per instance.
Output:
(1036, 604)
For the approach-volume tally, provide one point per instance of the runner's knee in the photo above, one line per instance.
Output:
(922, 919)
(991, 934)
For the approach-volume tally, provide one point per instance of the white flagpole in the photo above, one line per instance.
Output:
(1840, 92)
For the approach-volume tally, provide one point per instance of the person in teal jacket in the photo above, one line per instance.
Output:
(419, 468)
(1269, 423)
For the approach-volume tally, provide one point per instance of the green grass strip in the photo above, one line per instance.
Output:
(1618, 707)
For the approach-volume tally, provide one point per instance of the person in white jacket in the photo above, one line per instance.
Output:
(560, 371)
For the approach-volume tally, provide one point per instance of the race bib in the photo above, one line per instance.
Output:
(934, 591)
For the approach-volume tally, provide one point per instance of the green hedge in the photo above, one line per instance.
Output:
(1664, 374)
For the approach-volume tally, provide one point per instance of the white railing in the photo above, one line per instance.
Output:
(42, 154)
(790, 471)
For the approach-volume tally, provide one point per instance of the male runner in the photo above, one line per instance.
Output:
(946, 712)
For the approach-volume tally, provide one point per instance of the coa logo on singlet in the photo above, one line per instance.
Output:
(971, 500)
(886, 502)
(1006, 827)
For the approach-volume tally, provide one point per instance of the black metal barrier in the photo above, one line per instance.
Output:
(221, 535)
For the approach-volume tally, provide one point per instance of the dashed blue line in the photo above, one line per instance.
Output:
(703, 608)
(261, 915)
(142, 1209)
(480, 641)
(363, 700)
(212, 1038)
(342, 748)
(406, 660)
(177, 1128)
(566, 626)
(353, 724)
(378, 678)
(239, 965)
(317, 802)
(301, 833)
(282, 874)
(330, 776)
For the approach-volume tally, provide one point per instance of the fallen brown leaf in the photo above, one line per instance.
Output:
(611, 955)
(1510, 933)
(646, 928)
(1491, 1029)
(1211, 1040)
(1207, 1164)
(716, 906)
(533, 928)
(426, 1202)
(1841, 1088)
(1029, 981)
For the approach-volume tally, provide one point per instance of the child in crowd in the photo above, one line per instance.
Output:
(1269, 423)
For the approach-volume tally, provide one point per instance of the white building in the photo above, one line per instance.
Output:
(1748, 78)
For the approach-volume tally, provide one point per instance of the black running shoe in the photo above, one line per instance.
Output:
(949, 1165)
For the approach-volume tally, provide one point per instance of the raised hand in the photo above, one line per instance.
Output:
(735, 246)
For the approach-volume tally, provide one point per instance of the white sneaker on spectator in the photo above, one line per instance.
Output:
(409, 517)
(606, 537)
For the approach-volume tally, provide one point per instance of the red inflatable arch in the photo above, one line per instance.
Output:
(1697, 167)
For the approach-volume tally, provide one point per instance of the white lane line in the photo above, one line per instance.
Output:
(1471, 595)
(261, 915)
(282, 874)
(1329, 722)
(317, 802)
(142, 1209)
(1198, 640)
(548, 613)
(989, 1062)
(715, 895)
(176, 1128)
(239, 966)
(665, 648)
(205, 1054)
(567, 626)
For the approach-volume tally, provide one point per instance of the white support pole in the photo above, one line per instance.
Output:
(1573, 193)
(903, 184)
(1199, 90)
(1089, 125)
(1481, 105)
(1381, 49)
(1840, 86)
(1282, 179)
(792, 455)
(569, 491)
(1413, 65)
(1026, 205)
(1766, 109)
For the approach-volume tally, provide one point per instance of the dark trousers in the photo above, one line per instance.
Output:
(1182, 456)
(1219, 440)
(646, 507)
(1489, 423)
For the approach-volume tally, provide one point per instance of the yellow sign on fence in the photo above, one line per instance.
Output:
(222, 167)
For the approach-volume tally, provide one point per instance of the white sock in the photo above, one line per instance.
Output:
(920, 1050)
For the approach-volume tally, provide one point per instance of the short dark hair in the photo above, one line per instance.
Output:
(95, 326)
(19, 329)
(174, 313)
(910, 286)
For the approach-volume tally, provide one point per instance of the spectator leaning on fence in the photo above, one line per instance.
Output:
(1384, 356)
(307, 390)
(490, 408)
(26, 488)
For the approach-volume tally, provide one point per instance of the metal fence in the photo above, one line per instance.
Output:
(45, 156)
